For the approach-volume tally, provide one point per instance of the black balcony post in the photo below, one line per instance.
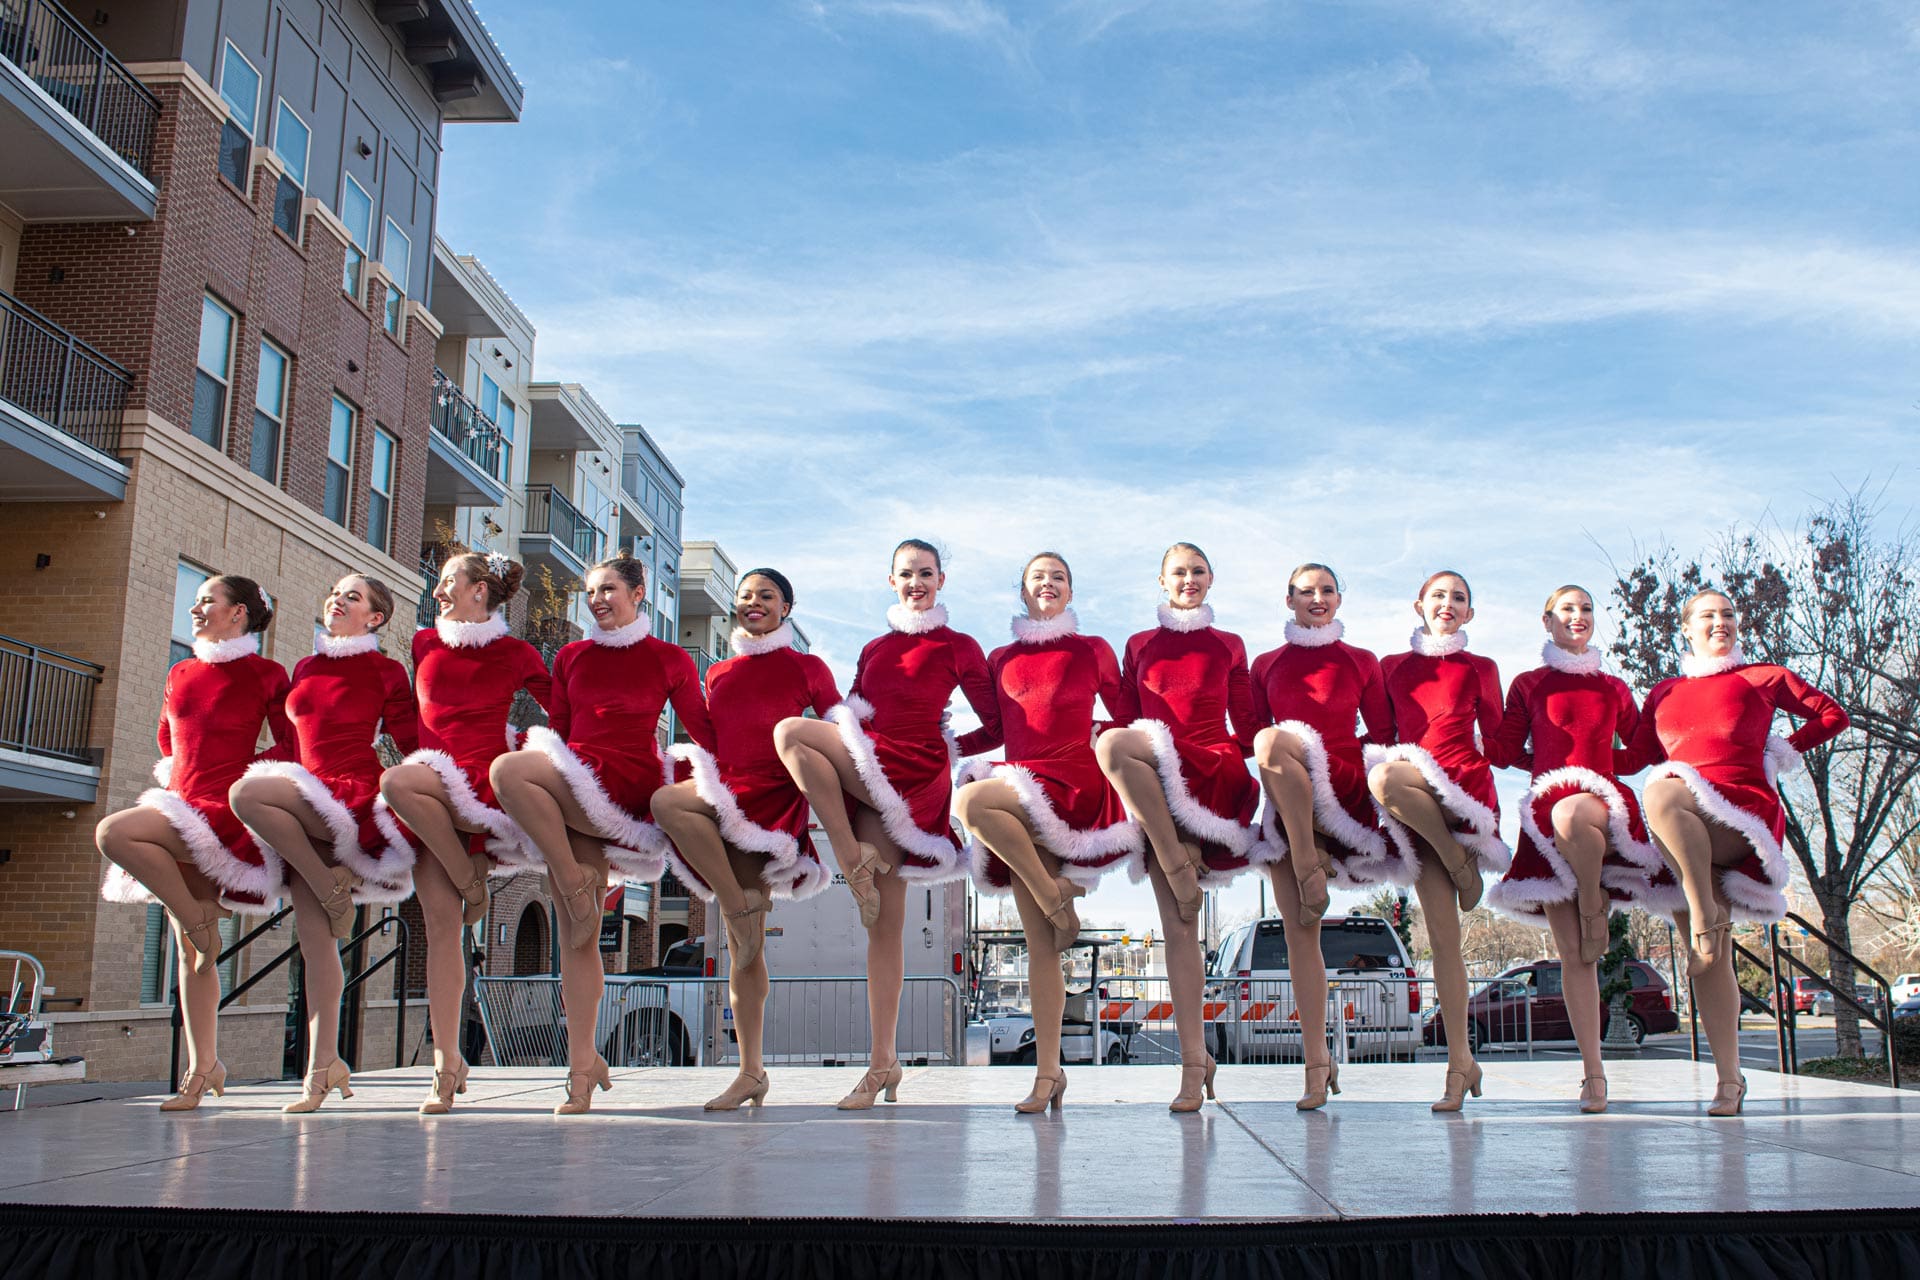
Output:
(93, 107)
(26, 701)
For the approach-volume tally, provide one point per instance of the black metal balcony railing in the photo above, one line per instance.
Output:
(549, 513)
(46, 702)
(460, 420)
(62, 57)
(59, 379)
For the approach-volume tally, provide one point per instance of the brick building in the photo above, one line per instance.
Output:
(215, 231)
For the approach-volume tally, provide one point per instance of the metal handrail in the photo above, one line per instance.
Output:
(463, 422)
(552, 513)
(61, 56)
(52, 375)
(46, 701)
(1790, 1063)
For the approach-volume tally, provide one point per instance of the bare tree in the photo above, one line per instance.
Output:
(1834, 600)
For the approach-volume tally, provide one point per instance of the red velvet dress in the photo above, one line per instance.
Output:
(1179, 684)
(893, 724)
(602, 735)
(214, 705)
(1047, 681)
(1316, 687)
(1710, 729)
(1440, 693)
(465, 675)
(759, 807)
(344, 696)
(1572, 714)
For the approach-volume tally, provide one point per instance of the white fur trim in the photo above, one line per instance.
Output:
(611, 823)
(783, 873)
(1763, 904)
(504, 840)
(163, 770)
(213, 858)
(395, 869)
(121, 887)
(1482, 836)
(1030, 630)
(781, 637)
(328, 645)
(226, 650)
(1198, 619)
(634, 864)
(1782, 759)
(1694, 665)
(1192, 817)
(1069, 845)
(895, 816)
(1430, 645)
(1315, 637)
(623, 637)
(471, 635)
(1378, 860)
(915, 622)
(858, 707)
(1515, 897)
(1584, 663)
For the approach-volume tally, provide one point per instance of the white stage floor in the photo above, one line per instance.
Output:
(951, 1148)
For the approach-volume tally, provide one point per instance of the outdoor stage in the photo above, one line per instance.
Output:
(649, 1185)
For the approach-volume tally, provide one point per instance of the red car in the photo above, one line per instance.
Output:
(1804, 991)
(1529, 996)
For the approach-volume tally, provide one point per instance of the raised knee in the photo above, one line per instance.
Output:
(788, 733)
(1667, 796)
(507, 771)
(1275, 748)
(106, 835)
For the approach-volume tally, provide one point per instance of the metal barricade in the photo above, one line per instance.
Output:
(526, 1025)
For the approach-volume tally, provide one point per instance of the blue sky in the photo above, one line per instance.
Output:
(1510, 287)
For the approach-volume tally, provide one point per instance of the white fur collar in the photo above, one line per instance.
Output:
(226, 650)
(623, 637)
(1693, 664)
(1315, 637)
(1186, 619)
(1584, 663)
(1433, 646)
(471, 635)
(326, 644)
(781, 637)
(1031, 630)
(916, 621)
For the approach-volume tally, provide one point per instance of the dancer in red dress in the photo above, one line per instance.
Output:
(318, 814)
(1713, 806)
(879, 775)
(581, 789)
(181, 843)
(466, 672)
(1434, 790)
(1319, 820)
(1046, 824)
(739, 826)
(1582, 840)
(1181, 770)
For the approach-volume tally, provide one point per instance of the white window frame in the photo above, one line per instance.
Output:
(396, 288)
(357, 250)
(223, 376)
(253, 113)
(278, 415)
(345, 520)
(373, 482)
(306, 147)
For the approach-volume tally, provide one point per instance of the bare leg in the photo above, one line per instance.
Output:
(415, 792)
(991, 809)
(692, 825)
(1126, 757)
(1440, 908)
(535, 795)
(817, 759)
(1580, 833)
(320, 960)
(144, 844)
(274, 810)
(1048, 988)
(1186, 970)
(440, 906)
(1306, 967)
(583, 978)
(199, 1007)
(1579, 984)
(1686, 838)
(1281, 760)
(748, 984)
(1405, 793)
(886, 947)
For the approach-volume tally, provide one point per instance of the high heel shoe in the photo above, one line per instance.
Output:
(205, 938)
(860, 881)
(196, 1086)
(474, 892)
(580, 1088)
(1593, 1101)
(878, 1080)
(580, 912)
(1064, 918)
(320, 1082)
(338, 904)
(1595, 936)
(1313, 1099)
(1459, 1085)
(747, 1089)
(1728, 1099)
(747, 929)
(446, 1083)
(1314, 905)
(1183, 881)
(1196, 1084)
(1048, 1091)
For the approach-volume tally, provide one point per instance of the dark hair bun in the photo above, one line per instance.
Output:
(511, 577)
(247, 593)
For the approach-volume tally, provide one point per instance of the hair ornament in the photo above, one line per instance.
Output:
(497, 564)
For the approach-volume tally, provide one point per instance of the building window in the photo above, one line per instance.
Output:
(156, 960)
(339, 460)
(187, 581)
(380, 488)
(269, 412)
(240, 90)
(490, 398)
(214, 373)
(356, 210)
(505, 421)
(396, 255)
(291, 142)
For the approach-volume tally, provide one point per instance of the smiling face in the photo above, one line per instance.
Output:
(216, 615)
(1445, 606)
(1712, 626)
(916, 578)
(1186, 577)
(758, 606)
(1569, 620)
(1046, 588)
(1314, 597)
(461, 597)
(611, 601)
(349, 608)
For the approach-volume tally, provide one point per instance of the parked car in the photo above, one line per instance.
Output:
(1370, 979)
(1530, 996)
(1805, 992)
(1865, 993)
(1908, 1007)
(1010, 1040)
(1906, 987)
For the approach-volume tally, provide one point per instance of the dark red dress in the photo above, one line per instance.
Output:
(1047, 680)
(1440, 694)
(1179, 684)
(344, 696)
(1710, 729)
(759, 808)
(893, 724)
(214, 705)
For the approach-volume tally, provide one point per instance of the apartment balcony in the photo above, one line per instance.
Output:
(707, 581)
(558, 537)
(60, 409)
(46, 724)
(468, 461)
(566, 419)
(79, 127)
